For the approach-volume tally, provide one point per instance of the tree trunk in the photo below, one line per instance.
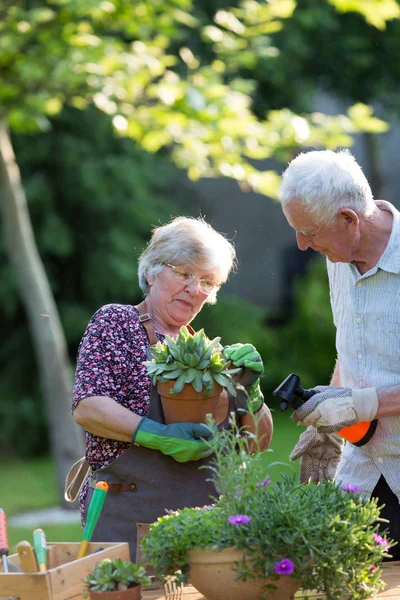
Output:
(48, 337)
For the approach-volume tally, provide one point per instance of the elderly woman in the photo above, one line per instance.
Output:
(184, 265)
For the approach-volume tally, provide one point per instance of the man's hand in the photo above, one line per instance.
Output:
(182, 441)
(246, 356)
(335, 407)
(319, 455)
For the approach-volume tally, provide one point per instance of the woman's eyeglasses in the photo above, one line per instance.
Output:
(186, 277)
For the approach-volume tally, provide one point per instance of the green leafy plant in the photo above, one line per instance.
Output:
(111, 575)
(325, 536)
(192, 359)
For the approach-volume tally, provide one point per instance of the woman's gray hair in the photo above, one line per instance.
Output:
(190, 242)
(325, 182)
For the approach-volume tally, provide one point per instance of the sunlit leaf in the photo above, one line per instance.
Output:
(376, 12)
(363, 119)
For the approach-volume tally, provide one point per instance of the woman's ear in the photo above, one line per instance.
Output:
(150, 280)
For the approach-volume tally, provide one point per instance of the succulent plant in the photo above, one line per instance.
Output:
(191, 359)
(111, 575)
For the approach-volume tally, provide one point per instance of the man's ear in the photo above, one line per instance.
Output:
(349, 217)
(150, 280)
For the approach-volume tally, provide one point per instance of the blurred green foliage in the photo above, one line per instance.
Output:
(26, 484)
(147, 65)
(93, 200)
(349, 48)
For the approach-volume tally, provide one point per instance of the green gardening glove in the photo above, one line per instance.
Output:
(247, 357)
(182, 441)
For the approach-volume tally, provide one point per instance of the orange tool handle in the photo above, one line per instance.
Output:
(3, 534)
(356, 432)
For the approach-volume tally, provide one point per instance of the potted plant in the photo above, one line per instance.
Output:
(267, 539)
(115, 580)
(190, 373)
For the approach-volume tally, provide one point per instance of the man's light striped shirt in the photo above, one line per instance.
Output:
(366, 312)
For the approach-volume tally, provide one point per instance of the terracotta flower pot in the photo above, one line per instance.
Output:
(212, 575)
(190, 406)
(129, 594)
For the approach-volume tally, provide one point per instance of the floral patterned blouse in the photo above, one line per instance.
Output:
(110, 363)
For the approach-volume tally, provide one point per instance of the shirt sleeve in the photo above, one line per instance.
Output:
(106, 360)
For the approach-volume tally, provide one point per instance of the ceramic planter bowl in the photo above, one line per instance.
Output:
(212, 575)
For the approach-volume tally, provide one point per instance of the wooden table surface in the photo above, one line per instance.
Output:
(391, 576)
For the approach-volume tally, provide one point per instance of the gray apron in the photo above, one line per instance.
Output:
(153, 482)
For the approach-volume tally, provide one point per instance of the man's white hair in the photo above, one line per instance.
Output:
(325, 182)
(190, 242)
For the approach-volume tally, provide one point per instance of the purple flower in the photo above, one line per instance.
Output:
(373, 568)
(266, 481)
(284, 567)
(239, 519)
(381, 541)
(237, 494)
(347, 487)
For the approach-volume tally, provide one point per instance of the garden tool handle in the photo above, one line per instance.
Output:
(291, 392)
(40, 547)
(3, 540)
(93, 514)
(27, 557)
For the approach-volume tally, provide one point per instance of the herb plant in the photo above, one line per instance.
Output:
(111, 575)
(191, 359)
(325, 536)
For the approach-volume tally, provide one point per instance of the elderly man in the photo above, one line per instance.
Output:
(328, 202)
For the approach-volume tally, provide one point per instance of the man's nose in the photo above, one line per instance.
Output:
(303, 241)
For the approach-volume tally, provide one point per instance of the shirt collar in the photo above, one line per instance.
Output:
(390, 259)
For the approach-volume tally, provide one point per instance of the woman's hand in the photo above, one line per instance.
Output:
(106, 418)
(246, 356)
(182, 441)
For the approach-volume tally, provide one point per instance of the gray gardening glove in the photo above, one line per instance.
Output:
(319, 455)
(333, 408)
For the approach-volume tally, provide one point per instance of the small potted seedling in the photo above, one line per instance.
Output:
(115, 580)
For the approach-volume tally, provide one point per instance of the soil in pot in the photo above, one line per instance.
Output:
(190, 406)
(212, 575)
(129, 594)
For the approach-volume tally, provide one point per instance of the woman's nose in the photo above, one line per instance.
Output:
(193, 286)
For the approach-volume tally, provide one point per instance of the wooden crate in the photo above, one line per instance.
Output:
(63, 579)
